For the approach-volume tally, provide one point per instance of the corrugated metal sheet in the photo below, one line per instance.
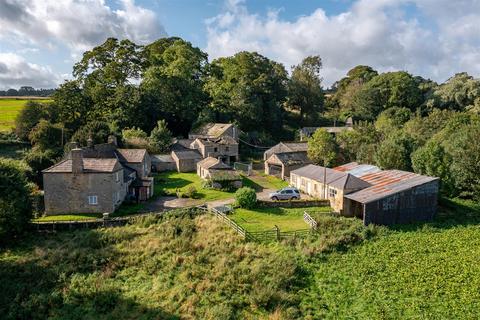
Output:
(358, 170)
(388, 182)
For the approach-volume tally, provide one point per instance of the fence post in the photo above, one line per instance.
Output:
(278, 232)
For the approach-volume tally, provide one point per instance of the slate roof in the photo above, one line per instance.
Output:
(162, 158)
(287, 147)
(90, 165)
(187, 154)
(213, 163)
(131, 155)
(289, 158)
(182, 144)
(214, 141)
(212, 129)
(388, 182)
(334, 178)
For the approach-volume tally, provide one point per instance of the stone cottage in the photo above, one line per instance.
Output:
(97, 179)
(218, 140)
(285, 157)
(219, 173)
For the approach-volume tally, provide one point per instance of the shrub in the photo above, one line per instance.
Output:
(191, 192)
(15, 203)
(245, 198)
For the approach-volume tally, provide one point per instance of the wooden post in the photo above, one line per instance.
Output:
(278, 232)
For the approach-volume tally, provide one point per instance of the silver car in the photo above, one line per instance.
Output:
(287, 193)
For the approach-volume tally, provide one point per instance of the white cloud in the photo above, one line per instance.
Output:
(78, 24)
(378, 33)
(15, 71)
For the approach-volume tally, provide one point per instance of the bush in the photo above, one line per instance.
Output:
(245, 198)
(39, 160)
(15, 203)
(191, 192)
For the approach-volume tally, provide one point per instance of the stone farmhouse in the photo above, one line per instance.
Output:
(97, 179)
(307, 132)
(284, 157)
(217, 140)
(376, 196)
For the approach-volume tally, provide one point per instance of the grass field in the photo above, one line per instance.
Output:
(262, 219)
(9, 108)
(198, 268)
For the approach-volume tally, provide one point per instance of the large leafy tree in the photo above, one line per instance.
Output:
(305, 92)
(359, 144)
(339, 104)
(391, 89)
(248, 88)
(172, 85)
(322, 148)
(394, 152)
(460, 92)
(106, 74)
(29, 117)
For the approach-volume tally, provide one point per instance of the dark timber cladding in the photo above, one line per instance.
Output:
(395, 197)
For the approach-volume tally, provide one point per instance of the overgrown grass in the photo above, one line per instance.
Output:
(194, 267)
(184, 268)
(69, 217)
(167, 183)
(9, 108)
(261, 219)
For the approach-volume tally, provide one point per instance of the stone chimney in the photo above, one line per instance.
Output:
(112, 140)
(90, 142)
(77, 160)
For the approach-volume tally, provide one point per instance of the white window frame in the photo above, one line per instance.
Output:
(332, 192)
(93, 200)
(117, 176)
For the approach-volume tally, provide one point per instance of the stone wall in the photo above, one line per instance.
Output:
(294, 203)
(68, 193)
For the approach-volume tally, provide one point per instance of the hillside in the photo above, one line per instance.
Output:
(189, 266)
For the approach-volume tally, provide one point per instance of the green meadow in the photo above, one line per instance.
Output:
(9, 108)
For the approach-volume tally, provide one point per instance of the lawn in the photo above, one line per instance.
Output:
(262, 219)
(9, 108)
(260, 181)
(167, 183)
(69, 217)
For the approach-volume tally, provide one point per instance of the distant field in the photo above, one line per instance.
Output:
(10, 107)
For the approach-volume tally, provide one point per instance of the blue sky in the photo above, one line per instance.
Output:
(41, 39)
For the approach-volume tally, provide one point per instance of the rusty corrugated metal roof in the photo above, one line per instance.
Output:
(388, 182)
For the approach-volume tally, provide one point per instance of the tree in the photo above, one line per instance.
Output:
(305, 91)
(322, 148)
(72, 106)
(172, 86)
(39, 160)
(391, 89)
(161, 137)
(98, 131)
(360, 144)
(29, 117)
(461, 92)
(433, 160)
(15, 202)
(340, 104)
(47, 136)
(248, 88)
(392, 119)
(394, 153)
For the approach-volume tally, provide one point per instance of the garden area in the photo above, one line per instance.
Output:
(262, 219)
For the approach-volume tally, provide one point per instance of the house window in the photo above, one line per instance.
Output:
(215, 149)
(303, 183)
(92, 200)
(118, 196)
(332, 193)
(117, 176)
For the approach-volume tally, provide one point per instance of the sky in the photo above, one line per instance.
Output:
(40, 40)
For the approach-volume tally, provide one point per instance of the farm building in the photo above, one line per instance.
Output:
(285, 157)
(219, 173)
(163, 162)
(326, 183)
(281, 164)
(381, 197)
